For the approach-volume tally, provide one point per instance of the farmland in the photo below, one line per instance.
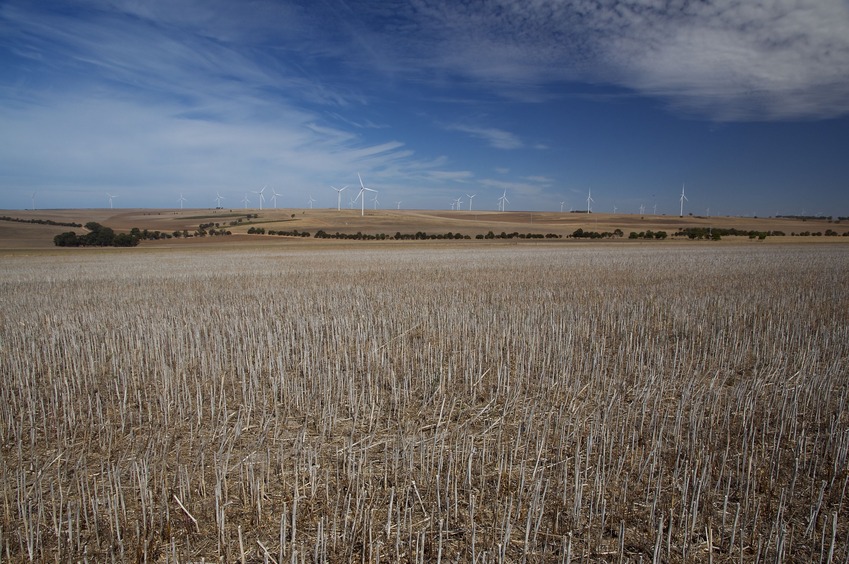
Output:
(502, 404)
(17, 234)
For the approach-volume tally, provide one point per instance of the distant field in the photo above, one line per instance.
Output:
(390, 222)
(601, 403)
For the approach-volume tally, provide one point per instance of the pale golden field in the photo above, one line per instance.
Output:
(595, 403)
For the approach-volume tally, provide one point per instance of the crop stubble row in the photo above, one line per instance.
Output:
(512, 404)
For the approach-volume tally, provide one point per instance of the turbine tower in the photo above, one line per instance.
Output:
(33, 199)
(182, 199)
(683, 197)
(561, 206)
(218, 198)
(261, 197)
(398, 205)
(361, 195)
(339, 196)
(311, 201)
(274, 196)
(111, 197)
(503, 201)
(246, 200)
(590, 201)
(470, 196)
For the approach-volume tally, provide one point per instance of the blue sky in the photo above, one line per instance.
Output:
(429, 100)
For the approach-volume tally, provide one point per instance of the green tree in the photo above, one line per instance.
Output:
(66, 239)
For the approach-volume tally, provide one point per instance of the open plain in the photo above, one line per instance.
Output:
(534, 402)
(18, 236)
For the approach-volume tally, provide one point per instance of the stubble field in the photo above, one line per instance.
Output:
(505, 404)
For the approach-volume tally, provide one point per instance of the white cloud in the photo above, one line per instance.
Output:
(726, 60)
(497, 138)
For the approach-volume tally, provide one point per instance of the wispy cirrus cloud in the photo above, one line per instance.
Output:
(497, 138)
(728, 61)
(172, 96)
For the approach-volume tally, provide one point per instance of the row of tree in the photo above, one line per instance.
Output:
(581, 234)
(101, 236)
(41, 221)
(648, 234)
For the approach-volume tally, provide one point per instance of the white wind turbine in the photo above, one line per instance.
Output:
(361, 195)
(590, 201)
(459, 202)
(614, 209)
(339, 196)
(182, 199)
(261, 196)
(642, 209)
(375, 201)
(111, 197)
(246, 200)
(274, 196)
(218, 198)
(561, 206)
(398, 205)
(503, 201)
(470, 196)
(33, 199)
(683, 197)
(311, 201)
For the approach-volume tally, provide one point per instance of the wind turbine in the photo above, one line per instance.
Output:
(274, 197)
(504, 201)
(182, 199)
(246, 200)
(339, 196)
(590, 201)
(111, 197)
(470, 196)
(642, 209)
(33, 199)
(398, 205)
(683, 197)
(615, 208)
(459, 202)
(361, 196)
(376, 201)
(311, 201)
(218, 198)
(261, 197)
(561, 206)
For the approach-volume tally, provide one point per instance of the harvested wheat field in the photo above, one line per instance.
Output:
(499, 404)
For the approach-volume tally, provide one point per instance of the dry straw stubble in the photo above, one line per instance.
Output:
(493, 405)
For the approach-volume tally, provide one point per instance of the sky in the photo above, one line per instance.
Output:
(743, 105)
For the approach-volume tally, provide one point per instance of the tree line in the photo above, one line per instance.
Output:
(41, 221)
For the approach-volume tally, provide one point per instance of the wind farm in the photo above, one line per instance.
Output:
(453, 282)
(383, 365)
